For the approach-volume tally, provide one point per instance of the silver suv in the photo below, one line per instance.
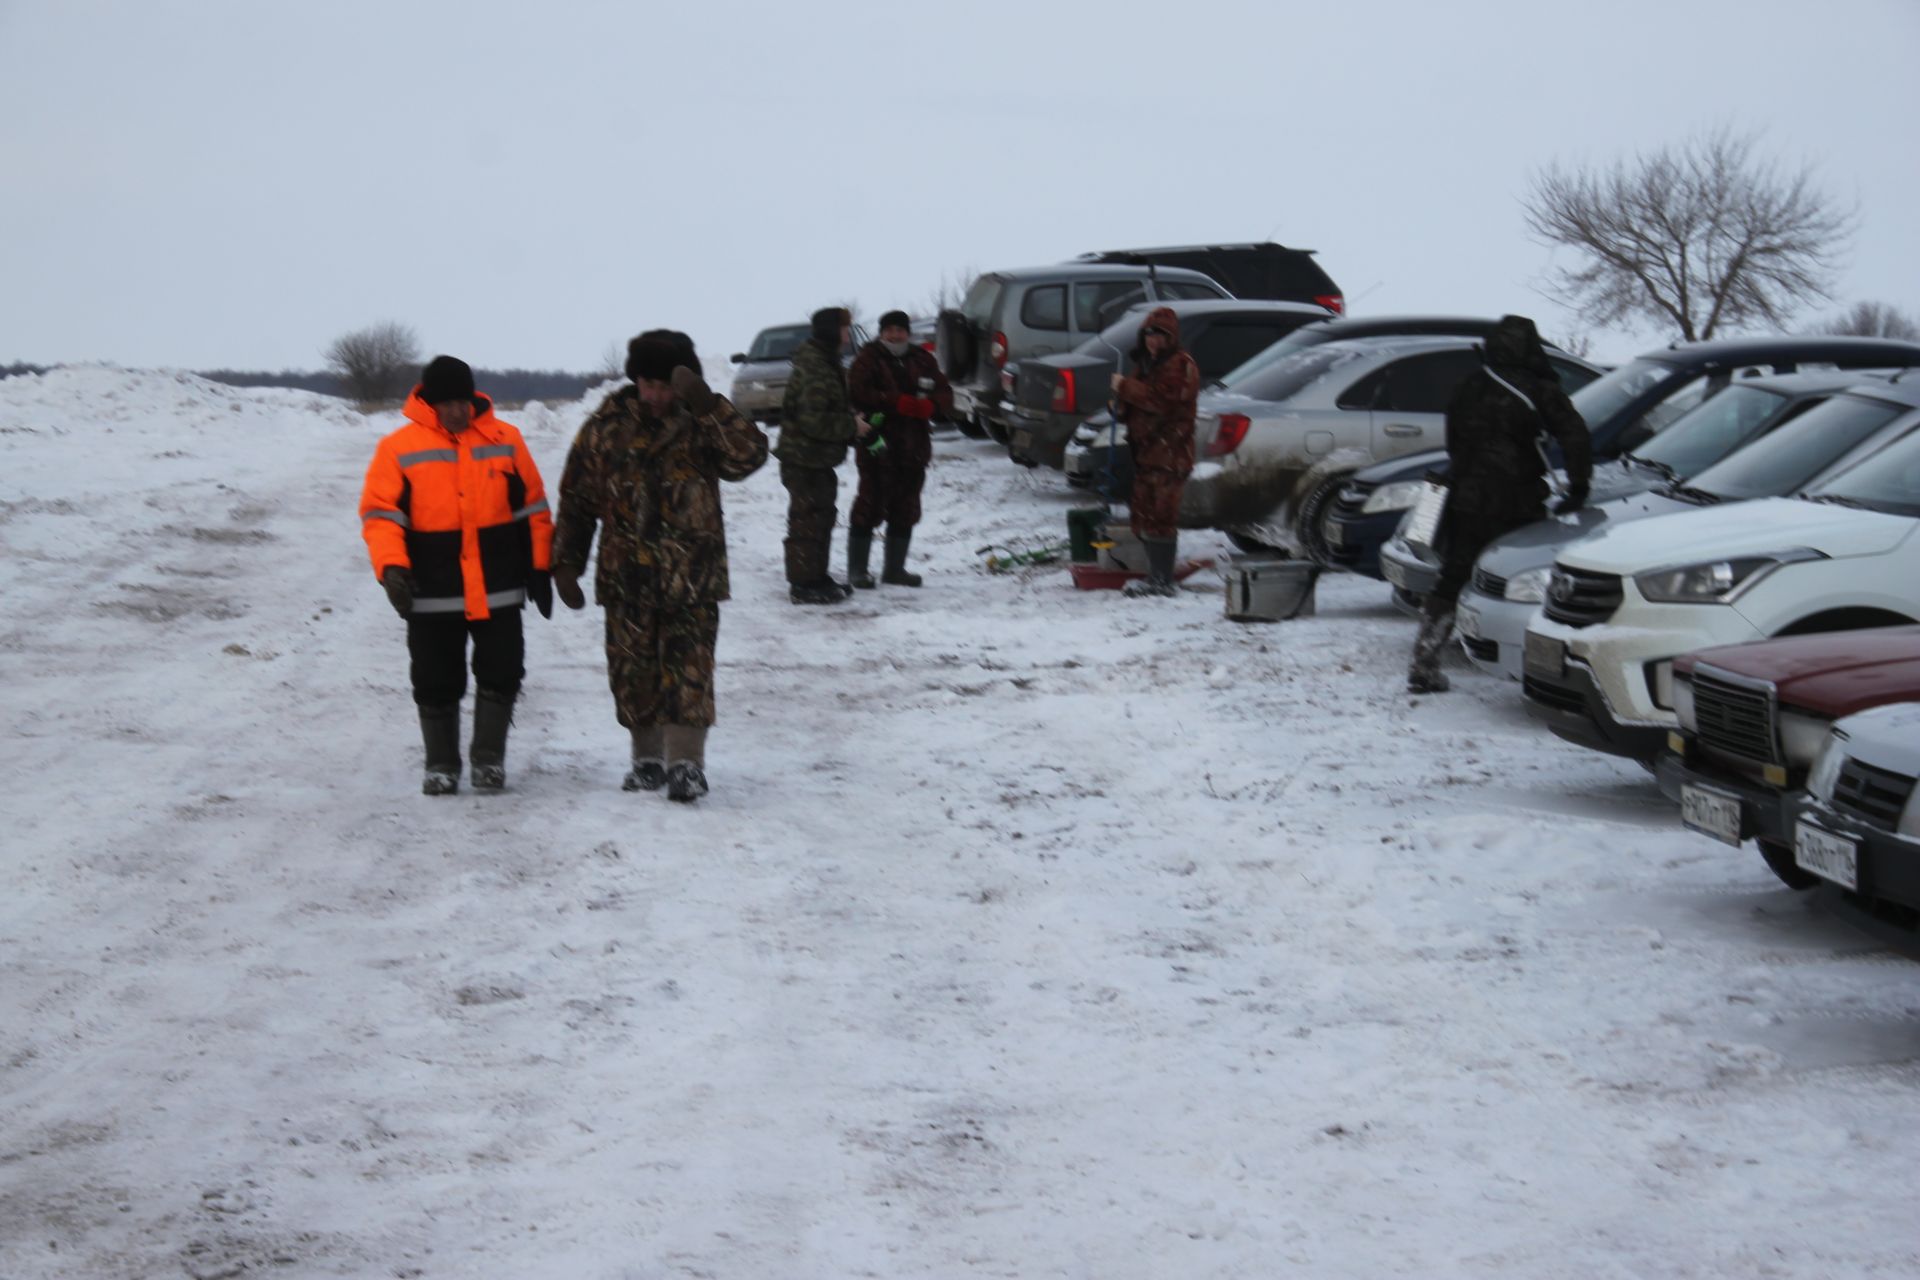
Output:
(1008, 316)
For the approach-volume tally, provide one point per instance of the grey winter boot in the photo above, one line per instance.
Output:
(440, 732)
(895, 574)
(686, 763)
(492, 713)
(1159, 579)
(1424, 675)
(649, 772)
(859, 551)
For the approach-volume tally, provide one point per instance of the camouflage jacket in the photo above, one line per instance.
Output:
(877, 379)
(652, 485)
(816, 418)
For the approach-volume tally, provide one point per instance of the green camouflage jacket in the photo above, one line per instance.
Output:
(816, 418)
(652, 485)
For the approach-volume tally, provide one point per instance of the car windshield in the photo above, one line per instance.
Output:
(1286, 378)
(1787, 459)
(778, 344)
(1710, 431)
(1885, 481)
(1603, 398)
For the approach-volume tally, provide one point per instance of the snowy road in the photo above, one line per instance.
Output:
(1026, 933)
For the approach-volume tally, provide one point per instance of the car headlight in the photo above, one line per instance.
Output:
(1827, 765)
(1683, 701)
(1802, 736)
(1714, 581)
(1529, 587)
(1393, 497)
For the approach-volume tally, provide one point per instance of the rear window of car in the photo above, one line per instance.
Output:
(1188, 290)
(1794, 454)
(1227, 344)
(1097, 302)
(778, 344)
(1045, 307)
(1285, 378)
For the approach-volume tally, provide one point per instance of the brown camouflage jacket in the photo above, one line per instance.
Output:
(652, 485)
(877, 380)
(1157, 402)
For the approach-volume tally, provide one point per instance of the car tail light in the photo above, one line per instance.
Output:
(997, 350)
(1007, 381)
(1333, 302)
(927, 345)
(1228, 435)
(1064, 394)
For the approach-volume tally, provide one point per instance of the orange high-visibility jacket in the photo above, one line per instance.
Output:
(466, 514)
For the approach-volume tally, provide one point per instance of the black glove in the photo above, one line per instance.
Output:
(566, 584)
(1576, 498)
(540, 591)
(693, 389)
(399, 585)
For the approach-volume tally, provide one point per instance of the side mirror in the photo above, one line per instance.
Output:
(738, 357)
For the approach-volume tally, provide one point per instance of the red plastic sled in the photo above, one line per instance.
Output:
(1095, 577)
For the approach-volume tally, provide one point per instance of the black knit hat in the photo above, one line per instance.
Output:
(896, 320)
(652, 356)
(446, 378)
(827, 323)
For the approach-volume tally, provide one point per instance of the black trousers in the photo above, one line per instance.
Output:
(437, 643)
(1465, 532)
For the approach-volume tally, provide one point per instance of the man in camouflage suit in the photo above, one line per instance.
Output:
(1157, 404)
(1497, 475)
(816, 426)
(646, 469)
(898, 388)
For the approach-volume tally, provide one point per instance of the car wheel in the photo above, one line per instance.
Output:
(1254, 547)
(1313, 514)
(998, 432)
(1780, 861)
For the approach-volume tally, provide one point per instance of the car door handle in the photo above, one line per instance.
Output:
(1402, 429)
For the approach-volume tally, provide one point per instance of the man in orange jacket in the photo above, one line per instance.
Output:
(456, 521)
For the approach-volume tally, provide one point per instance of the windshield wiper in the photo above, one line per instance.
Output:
(1661, 469)
(1687, 493)
(1841, 500)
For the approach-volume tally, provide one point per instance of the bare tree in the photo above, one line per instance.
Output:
(613, 363)
(1875, 320)
(377, 362)
(951, 290)
(1702, 237)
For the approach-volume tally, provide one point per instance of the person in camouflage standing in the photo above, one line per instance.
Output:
(1496, 473)
(898, 388)
(1157, 403)
(816, 426)
(646, 470)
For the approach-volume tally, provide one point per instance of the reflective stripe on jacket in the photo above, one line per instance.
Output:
(466, 515)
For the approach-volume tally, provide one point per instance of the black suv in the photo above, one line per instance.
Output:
(1270, 271)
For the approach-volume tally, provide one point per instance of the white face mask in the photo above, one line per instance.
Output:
(895, 348)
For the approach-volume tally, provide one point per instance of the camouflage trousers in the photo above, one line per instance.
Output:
(810, 515)
(660, 664)
(1154, 508)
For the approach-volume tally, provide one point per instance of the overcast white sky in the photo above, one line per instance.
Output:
(233, 184)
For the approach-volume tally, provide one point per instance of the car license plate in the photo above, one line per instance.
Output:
(1544, 656)
(1022, 440)
(1467, 622)
(1395, 574)
(1828, 856)
(1336, 533)
(1711, 813)
(1424, 524)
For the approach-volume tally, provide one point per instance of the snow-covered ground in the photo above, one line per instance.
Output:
(1026, 932)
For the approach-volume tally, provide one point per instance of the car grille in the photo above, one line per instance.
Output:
(1581, 599)
(1552, 695)
(1875, 795)
(1484, 650)
(1490, 584)
(1734, 719)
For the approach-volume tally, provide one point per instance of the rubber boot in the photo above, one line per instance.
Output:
(649, 771)
(440, 732)
(895, 573)
(859, 551)
(1159, 579)
(1424, 675)
(686, 762)
(492, 713)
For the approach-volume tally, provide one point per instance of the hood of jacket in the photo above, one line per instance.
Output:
(419, 411)
(1515, 344)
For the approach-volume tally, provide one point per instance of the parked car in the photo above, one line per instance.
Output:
(1059, 392)
(1510, 579)
(1858, 826)
(1753, 717)
(1335, 404)
(762, 370)
(1621, 606)
(1623, 410)
(1269, 271)
(1009, 316)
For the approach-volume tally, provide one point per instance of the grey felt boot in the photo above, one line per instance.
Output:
(492, 713)
(1424, 675)
(440, 733)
